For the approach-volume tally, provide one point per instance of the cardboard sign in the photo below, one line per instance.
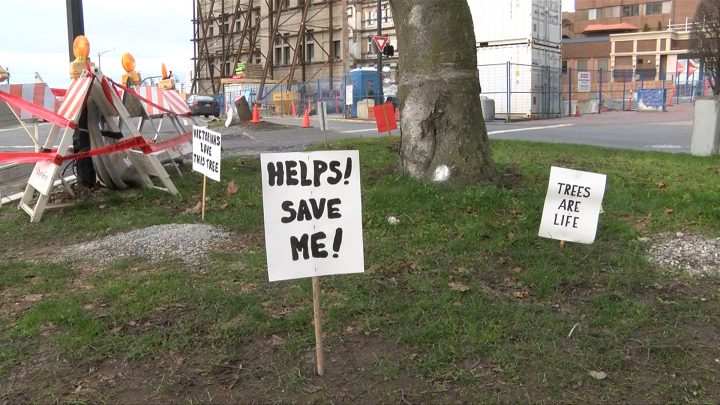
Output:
(206, 152)
(385, 117)
(572, 205)
(313, 214)
(584, 80)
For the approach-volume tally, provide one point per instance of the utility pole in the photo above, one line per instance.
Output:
(75, 24)
(379, 55)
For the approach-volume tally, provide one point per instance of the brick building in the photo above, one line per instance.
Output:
(635, 39)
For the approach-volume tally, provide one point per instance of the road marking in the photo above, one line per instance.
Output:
(503, 131)
(360, 130)
(21, 147)
(29, 125)
(666, 146)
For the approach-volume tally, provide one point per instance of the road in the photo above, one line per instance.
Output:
(667, 131)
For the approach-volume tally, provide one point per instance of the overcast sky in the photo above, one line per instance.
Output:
(34, 37)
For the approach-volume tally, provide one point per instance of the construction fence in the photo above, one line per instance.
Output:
(281, 99)
(529, 91)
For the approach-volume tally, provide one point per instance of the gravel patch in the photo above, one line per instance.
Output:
(188, 242)
(695, 254)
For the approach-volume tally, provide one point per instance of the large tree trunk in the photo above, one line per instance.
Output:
(443, 132)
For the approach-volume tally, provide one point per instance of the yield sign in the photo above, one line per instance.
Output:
(380, 42)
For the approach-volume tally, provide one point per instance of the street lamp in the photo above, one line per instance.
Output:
(103, 53)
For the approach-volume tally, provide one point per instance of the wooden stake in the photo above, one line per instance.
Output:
(320, 358)
(202, 210)
(562, 244)
(387, 122)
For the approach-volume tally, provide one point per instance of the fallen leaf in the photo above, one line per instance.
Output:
(276, 340)
(457, 286)
(232, 187)
(661, 186)
(33, 297)
(598, 375)
(194, 210)
(669, 211)
(372, 269)
(224, 205)
(516, 269)
(520, 294)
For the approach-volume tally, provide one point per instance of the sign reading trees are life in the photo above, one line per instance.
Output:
(572, 205)
(206, 152)
(313, 214)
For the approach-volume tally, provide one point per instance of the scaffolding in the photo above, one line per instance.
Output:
(263, 34)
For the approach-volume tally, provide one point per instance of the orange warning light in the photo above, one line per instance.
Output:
(164, 71)
(128, 62)
(81, 47)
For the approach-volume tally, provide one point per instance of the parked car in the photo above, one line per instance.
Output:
(203, 105)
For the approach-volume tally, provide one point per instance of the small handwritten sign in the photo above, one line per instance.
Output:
(206, 152)
(572, 205)
(313, 214)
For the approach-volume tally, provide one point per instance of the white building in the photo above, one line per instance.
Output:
(526, 34)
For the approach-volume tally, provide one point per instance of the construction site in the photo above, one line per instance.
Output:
(278, 52)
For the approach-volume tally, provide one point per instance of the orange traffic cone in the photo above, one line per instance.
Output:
(294, 109)
(306, 119)
(577, 110)
(256, 115)
(672, 95)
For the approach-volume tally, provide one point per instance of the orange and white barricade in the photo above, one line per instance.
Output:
(37, 93)
(94, 92)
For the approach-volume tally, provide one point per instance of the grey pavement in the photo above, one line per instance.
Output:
(657, 131)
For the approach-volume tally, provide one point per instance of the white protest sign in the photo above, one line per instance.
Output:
(572, 205)
(206, 152)
(313, 214)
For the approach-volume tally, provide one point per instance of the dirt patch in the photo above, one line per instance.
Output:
(359, 369)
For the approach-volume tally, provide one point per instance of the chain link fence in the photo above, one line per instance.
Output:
(282, 99)
(529, 91)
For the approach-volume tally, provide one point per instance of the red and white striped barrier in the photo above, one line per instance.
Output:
(169, 99)
(36, 93)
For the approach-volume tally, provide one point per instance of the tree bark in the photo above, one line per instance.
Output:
(444, 138)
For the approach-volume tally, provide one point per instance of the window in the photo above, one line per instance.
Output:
(226, 26)
(372, 18)
(371, 46)
(630, 10)
(386, 13)
(582, 65)
(336, 49)
(211, 31)
(309, 36)
(310, 53)
(278, 55)
(603, 64)
(226, 72)
(593, 14)
(286, 55)
(612, 12)
(564, 66)
(257, 58)
(238, 26)
(654, 8)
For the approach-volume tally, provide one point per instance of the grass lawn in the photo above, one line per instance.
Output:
(460, 301)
